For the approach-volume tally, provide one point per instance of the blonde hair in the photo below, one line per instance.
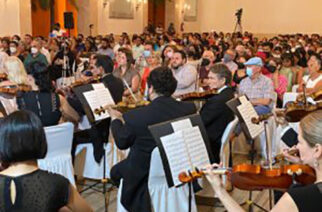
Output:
(16, 71)
(311, 126)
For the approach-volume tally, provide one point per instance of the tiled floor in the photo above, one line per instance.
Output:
(96, 200)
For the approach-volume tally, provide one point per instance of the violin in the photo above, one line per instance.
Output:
(122, 107)
(198, 96)
(15, 90)
(3, 76)
(81, 82)
(255, 177)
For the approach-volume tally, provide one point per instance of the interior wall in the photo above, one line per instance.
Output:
(106, 25)
(268, 17)
(9, 17)
(25, 17)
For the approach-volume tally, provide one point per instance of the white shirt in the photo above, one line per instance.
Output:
(311, 83)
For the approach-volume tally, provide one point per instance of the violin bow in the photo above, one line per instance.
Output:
(128, 87)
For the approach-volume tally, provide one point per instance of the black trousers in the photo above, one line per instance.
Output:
(97, 135)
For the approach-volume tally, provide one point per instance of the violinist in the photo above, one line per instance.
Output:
(98, 132)
(215, 113)
(16, 75)
(134, 134)
(50, 107)
(302, 199)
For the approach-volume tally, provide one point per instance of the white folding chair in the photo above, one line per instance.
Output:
(58, 158)
(163, 198)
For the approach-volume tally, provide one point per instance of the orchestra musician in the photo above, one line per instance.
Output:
(302, 199)
(133, 133)
(215, 114)
(99, 132)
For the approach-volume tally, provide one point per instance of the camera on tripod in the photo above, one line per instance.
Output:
(239, 14)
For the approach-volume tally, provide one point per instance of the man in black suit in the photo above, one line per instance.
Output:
(215, 114)
(98, 133)
(133, 133)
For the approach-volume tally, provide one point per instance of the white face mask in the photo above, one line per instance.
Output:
(13, 50)
(170, 54)
(34, 50)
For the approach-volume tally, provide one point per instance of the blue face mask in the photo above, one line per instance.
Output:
(249, 71)
(227, 58)
(146, 53)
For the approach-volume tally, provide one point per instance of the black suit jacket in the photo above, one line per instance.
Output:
(115, 86)
(290, 137)
(134, 134)
(216, 115)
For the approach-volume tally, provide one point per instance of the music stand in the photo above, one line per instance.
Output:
(233, 104)
(79, 93)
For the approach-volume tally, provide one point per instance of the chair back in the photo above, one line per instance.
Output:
(59, 144)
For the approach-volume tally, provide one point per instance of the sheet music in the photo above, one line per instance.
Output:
(98, 86)
(181, 125)
(97, 98)
(196, 147)
(247, 112)
(177, 154)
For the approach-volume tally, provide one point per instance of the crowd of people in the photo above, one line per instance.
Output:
(160, 67)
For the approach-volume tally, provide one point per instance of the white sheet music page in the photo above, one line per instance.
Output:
(99, 97)
(247, 112)
(196, 147)
(177, 154)
(181, 125)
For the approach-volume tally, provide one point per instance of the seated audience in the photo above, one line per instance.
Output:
(185, 74)
(258, 88)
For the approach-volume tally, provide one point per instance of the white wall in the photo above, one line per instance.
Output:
(15, 17)
(117, 26)
(262, 17)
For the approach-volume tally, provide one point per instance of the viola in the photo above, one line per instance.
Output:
(281, 156)
(198, 96)
(255, 177)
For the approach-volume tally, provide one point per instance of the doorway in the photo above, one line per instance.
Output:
(156, 12)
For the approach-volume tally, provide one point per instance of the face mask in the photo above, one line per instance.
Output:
(146, 53)
(276, 55)
(205, 62)
(13, 50)
(1, 49)
(97, 41)
(249, 71)
(227, 58)
(34, 50)
(169, 54)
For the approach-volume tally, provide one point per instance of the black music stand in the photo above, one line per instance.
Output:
(233, 104)
(79, 93)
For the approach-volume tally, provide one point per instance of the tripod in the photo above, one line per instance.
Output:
(238, 26)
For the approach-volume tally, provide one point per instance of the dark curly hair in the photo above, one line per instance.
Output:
(40, 73)
(163, 81)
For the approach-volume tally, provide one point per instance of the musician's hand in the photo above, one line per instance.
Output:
(214, 179)
(291, 158)
(114, 114)
(281, 120)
